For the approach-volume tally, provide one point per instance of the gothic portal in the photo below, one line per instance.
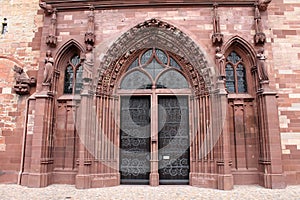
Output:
(150, 106)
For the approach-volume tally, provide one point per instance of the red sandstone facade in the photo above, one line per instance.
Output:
(239, 119)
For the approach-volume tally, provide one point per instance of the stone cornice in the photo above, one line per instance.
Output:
(104, 4)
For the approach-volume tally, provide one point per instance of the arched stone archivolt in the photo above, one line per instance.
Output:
(65, 51)
(158, 34)
(241, 43)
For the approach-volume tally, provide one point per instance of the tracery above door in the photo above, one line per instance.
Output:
(154, 68)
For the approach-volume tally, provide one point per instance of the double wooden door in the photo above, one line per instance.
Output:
(173, 139)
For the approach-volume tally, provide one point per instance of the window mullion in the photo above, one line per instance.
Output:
(235, 79)
(74, 79)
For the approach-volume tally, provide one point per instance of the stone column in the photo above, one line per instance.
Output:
(83, 179)
(225, 177)
(270, 161)
(41, 161)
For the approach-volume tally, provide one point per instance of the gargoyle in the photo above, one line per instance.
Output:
(47, 8)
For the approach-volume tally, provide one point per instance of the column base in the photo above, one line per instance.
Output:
(154, 179)
(105, 180)
(204, 180)
(83, 181)
(38, 180)
(225, 182)
(272, 181)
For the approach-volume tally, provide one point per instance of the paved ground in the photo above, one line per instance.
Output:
(125, 192)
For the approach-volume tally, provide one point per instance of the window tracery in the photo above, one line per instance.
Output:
(154, 68)
(73, 76)
(235, 74)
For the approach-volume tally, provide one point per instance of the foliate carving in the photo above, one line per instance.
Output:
(51, 39)
(23, 82)
(48, 68)
(263, 4)
(217, 37)
(259, 37)
(89, 36)
(261, 65)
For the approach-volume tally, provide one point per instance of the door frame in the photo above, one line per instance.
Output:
(154, 93)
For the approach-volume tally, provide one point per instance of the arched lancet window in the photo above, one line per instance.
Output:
(154, 68)
(73, 76)
(235, 74)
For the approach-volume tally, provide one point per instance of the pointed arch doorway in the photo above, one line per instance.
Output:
(158, 83)
(154, 110)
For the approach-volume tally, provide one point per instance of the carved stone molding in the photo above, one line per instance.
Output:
(148, 34)
(82, 4)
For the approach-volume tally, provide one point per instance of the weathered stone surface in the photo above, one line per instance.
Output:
(185, 31)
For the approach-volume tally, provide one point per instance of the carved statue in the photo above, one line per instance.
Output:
(89, 37)
(91, 24)
(262, 70)
(263, 4)
(88, 63)
(216, 19)
(220, 60)
(20, 75)
(23, 82)
(257, 18)
(47, 8)
(51, 38)
(260, 36)
(217, 37)
(48, 68)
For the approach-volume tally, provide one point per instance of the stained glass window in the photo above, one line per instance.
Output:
(69, 74)
(235, 74)
(230, 80)
(73, 84)
(241, 79)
